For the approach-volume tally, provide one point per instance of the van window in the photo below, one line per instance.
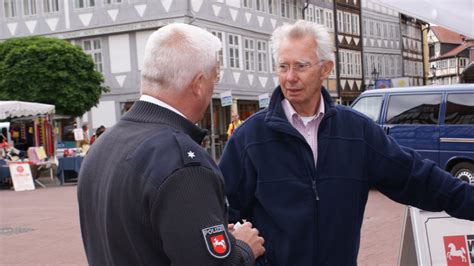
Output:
(413, 109)
(370, 106)
(460, 109)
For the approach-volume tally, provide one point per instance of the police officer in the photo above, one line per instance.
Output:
(148, 193)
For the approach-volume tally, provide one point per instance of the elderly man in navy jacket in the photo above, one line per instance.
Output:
(301, 169)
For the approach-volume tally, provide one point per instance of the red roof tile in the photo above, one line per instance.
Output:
(446, 36)
(458, 49)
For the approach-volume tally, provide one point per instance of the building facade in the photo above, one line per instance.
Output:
(382, 44)
(450, 54)
(412, 32)
(349, 50)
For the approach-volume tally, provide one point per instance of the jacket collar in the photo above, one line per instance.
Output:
(276, 115)
(146, 112)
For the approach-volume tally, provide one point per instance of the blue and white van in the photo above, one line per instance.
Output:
(437, 121)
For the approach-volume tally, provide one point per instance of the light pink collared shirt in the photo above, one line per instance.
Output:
(307, 126)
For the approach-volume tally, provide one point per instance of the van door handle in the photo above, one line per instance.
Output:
(386, 129)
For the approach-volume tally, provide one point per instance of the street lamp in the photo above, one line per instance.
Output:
(375, 77)
(433, 73)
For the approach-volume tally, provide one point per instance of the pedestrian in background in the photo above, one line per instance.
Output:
(301, 169)
(148, 193)
(97, 133)
(233, 124)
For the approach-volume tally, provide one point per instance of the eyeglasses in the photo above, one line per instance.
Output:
(298, 67)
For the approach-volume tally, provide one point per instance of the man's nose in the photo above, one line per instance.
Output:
(291, 75)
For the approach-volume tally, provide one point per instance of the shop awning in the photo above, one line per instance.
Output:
(10, 109)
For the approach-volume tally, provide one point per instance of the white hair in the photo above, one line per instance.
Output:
(302, 28)
(175, 54)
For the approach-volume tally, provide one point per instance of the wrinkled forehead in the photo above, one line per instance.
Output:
(302, 48)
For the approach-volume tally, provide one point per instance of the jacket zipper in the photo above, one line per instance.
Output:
(315, 190)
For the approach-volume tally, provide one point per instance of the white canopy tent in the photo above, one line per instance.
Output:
(10, 109)
(19, 109)
(455, 15)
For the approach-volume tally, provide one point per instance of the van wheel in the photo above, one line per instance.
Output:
(464, 171)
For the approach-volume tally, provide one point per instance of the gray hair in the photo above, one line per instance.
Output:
(303, 28)
(175, 54)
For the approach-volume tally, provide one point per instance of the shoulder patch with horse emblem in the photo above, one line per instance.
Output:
(217, 241)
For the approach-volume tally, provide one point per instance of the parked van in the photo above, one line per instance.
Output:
(437, 121)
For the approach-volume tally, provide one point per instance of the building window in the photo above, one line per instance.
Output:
(358, 65)
(262, 53)
(29, 7)
(347, 23)
(329, 20)
(452, 62)
(93, 47)
(343, 63)
(220, 54)
(51, 6)
(319, 15)
(355, 24)
(10, 8)
(340, 21)
(296, 12)
(247, 3)
(462, 62)
(110, 2)
(84, 3)
(379, 29)
(234, 51)
(285, 8)
(371, 28)
(249, 55)
(272, 7)
(260, 5)
(309, 13)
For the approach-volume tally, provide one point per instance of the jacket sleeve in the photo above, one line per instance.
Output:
(240, 180)
(404, 176)
(188, 201)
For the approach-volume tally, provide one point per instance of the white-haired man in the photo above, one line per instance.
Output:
(301, 169)
(148, 193)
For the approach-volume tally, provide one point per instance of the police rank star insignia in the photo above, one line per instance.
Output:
(217, 241)
(191, 154)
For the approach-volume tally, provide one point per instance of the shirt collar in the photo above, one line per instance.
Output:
(291, 113)
(150, 99)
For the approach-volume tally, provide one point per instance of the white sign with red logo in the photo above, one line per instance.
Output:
(442, 240)
(21, 176)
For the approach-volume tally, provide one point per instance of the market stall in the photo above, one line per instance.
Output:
(28, 134)
(30, 124)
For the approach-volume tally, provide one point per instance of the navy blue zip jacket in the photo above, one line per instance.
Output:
(312, 215)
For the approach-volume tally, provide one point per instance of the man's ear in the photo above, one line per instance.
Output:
(197, 84)
(326, 69)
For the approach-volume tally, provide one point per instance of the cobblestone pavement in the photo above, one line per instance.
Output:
(41, 227)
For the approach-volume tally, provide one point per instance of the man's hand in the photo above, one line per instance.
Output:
(249, 235)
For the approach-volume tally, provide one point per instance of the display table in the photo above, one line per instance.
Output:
(69, 168)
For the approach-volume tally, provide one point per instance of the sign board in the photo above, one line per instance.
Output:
(435, 238)
(400, 82)
(21, 176)
(226, 98)
(263, 100)
(78, 134)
